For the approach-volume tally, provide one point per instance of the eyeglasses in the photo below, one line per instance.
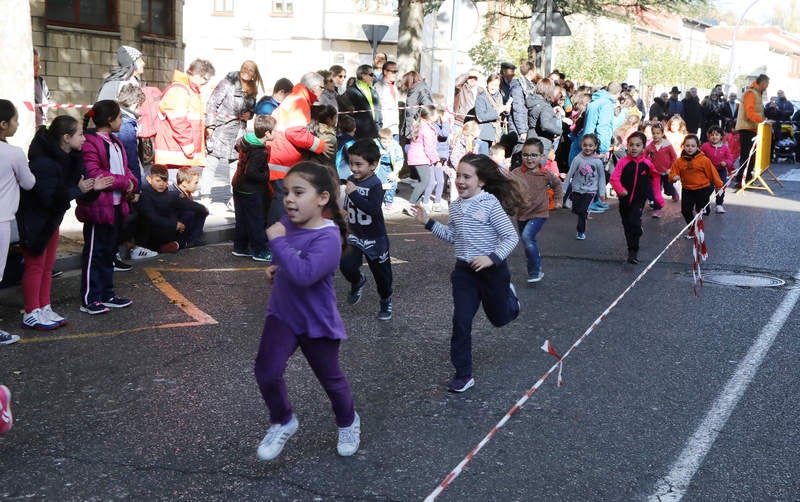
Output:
(531, 155)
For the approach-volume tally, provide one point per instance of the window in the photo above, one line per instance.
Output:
(158, 18)
(223, 7)
(91, 14)
(282, 7)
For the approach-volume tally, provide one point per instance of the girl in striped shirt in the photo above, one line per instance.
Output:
(483, 234)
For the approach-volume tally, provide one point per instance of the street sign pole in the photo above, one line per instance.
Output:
(374, 34)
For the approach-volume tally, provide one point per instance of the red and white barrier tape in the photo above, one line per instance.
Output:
(57, 106)
(698, 250)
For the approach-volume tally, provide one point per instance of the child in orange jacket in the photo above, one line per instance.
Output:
(697, 174)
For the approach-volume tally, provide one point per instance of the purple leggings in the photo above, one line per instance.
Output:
(277, 345)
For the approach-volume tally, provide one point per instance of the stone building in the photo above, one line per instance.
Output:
(78, 42)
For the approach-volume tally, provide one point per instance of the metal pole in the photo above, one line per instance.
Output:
(548, 37)
(451, 72)
(729, 83)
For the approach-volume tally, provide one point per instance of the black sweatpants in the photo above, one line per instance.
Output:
(350, 265)
(693, 201)
(631, 214)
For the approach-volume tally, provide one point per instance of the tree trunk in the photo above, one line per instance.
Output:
(409, 37)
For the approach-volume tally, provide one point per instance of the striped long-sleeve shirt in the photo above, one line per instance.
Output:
(478, 226)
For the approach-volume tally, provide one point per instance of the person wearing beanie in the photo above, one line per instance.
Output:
(131, 67)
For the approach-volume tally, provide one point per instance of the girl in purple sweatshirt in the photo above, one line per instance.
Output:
(306, 249)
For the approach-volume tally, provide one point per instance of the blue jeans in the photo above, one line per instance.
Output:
(528, 231)
(382, 172)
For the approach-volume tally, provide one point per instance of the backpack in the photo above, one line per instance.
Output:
(148, 112)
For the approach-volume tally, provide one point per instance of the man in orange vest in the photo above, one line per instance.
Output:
(180, 134)
(751, 113)
(291, 138)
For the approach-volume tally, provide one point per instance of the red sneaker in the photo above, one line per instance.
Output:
(6, 418)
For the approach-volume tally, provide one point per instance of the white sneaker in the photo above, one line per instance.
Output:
(349, 438)
(35, 320)
(50, 315)
(277, 435)
(720, 209)
(140, 253)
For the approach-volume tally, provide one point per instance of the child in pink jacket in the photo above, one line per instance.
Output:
(422, 154)
(720, 155)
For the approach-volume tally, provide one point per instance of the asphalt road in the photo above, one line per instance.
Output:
(158, 401)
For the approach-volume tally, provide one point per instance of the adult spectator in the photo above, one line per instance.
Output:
(417, 95)
(366, 105)
(507, 71)
(600, 117)
(41, 94)
(291, 138)
(377, 64)
(785, 107)
(751, 113)
(659, 110)
(638, 99)
(328, 96)
(180, 134)
(731, 109)
(266, 105)
(339, 75)
(543, 123)
(131, 67)
(489, 109)
(692, 111)
(228, 109)
(389, 98)
(464, 100)
(674, 104)
(712, 106)
(518, 119)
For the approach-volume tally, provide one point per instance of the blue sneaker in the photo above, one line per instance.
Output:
(600, 203)
(595, 208)
(262, 256)
(580, 236)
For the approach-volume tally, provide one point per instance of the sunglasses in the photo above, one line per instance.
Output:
(392, 71)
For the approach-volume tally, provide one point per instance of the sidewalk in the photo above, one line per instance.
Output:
(218, 228)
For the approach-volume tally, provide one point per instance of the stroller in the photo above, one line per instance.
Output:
(785, 145)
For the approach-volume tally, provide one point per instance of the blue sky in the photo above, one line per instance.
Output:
(756, 13)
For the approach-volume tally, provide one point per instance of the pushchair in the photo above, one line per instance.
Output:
(785, 143)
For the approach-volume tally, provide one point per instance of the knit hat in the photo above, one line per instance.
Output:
(127, 55)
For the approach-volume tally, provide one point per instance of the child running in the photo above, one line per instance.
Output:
(631, 181)
(697, 174)
(484, 236)
(662, 155)
(534, 181)
(367, 235)
(720, 155)
(587, 181)
(306, 248)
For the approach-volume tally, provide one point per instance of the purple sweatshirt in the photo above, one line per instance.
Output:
(302, 295)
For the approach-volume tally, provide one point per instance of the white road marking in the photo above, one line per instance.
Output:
(674, 485)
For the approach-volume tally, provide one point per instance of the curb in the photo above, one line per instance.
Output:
(214, 235)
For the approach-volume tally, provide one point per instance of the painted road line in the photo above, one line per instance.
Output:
(674, 485)
(176, 298)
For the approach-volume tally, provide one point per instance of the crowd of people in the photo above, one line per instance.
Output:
(314, 169)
